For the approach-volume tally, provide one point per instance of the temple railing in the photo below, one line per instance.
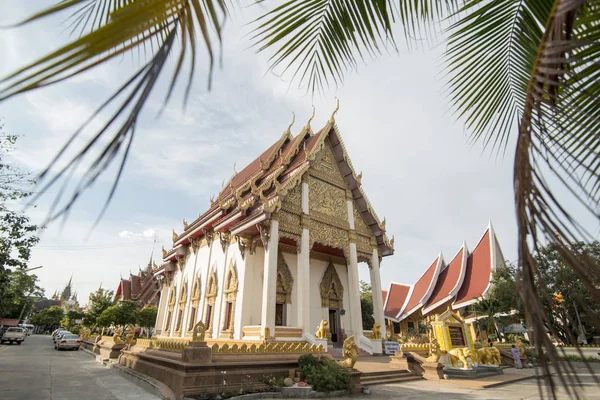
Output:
(178, 344)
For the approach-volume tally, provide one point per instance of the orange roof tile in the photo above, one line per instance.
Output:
(449, 281)
(478, 273)
(394, 302)
(422, 289)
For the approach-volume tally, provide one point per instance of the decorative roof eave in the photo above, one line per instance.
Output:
(494, 249)
(438, 268)
(231, 219)
(353, 180)
(459, 281)
(207, 218)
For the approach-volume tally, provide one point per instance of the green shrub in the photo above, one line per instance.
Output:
(307, 360)
(76, 329)
(325, 375)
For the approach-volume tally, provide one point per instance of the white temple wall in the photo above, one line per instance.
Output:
(254, 282)
(188, 276)
(236, 256)
(218, 261)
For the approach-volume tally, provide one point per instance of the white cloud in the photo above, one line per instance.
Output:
(148, 235)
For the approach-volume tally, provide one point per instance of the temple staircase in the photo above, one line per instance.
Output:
(385, 377)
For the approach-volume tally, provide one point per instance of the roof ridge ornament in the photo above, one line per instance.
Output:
(289, 128)
(337, 107)
(307, 127)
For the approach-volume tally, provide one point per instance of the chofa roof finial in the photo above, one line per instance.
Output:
(288, 131)
(310, 119)
(337, 107)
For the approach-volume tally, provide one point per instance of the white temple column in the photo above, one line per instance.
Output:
(267, 319)
(354, 293)
(376, 288)
(302, 287)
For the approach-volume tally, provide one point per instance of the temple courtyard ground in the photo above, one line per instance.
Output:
(34, 370)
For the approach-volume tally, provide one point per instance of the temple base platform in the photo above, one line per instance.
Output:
(478, 372)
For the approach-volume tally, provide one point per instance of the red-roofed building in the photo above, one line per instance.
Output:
(277, 250)
(466, 279)
(143, 288)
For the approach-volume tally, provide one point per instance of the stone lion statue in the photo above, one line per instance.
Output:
(350, 351)
(130, 335)
(460, 354)
(376, 333)
(322, 330)
(117, 335)
(489, 356)
(198, 333)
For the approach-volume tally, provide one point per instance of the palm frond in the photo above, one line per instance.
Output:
(118, 27)
(559, 136)
(321, 39)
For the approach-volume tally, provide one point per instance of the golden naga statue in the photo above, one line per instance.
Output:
(460, 354)
(198, 333)
(322, 330)
(435, 351)
(117, 336)
(376, 333)
(350, 351)
(130, 335)
(489, 356)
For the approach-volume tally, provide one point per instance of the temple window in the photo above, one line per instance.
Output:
(229, 298)
(411, 325)
(171, 306)
(280, 314)
(195, 301)
(181, 308)
(211, 295)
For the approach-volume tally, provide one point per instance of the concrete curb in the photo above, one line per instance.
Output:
(150, 385)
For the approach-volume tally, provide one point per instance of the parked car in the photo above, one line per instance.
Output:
(68, 341)
(61, 334)
(57, 332)
(13, 335)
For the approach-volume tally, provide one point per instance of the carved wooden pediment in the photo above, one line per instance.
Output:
(332, 290)
(285, 281)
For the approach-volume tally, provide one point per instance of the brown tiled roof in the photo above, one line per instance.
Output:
(422, 289)
(136, 285)
(478, 272)
(287, 157)
(395, 300)
(448, 282)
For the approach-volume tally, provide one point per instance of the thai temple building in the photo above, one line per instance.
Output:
(67, 297)
(442, 295)
(277, 252)
(142, 288)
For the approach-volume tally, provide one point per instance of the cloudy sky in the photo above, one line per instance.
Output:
(420, 172)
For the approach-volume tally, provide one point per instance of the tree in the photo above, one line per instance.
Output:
(573, 316)
(514, 68)
(17, 235)
(70, 318)
(146, 319)
(49, 317)
(18, 293)
(504, 289)
(98, 302)
(124, 313)
(366, 305)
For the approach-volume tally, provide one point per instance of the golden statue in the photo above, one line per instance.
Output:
(460, 354)
(198, 333)
(130, 336)
(84, 333)
(376, 333)
(322, 330)
(489, 356)
(435, 351)
(350, 351)
(117, 335)
(519, 345)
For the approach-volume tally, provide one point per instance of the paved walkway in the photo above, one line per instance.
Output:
(34, 370)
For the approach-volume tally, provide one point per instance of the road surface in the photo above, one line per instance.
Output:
(34, 370)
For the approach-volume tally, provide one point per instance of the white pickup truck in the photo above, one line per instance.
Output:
(13, 335)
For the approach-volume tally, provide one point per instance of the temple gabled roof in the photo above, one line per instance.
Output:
(481, 265)
(421, 290)
(449, 281)
(465, 280)
(258, 190)
(395, 299)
